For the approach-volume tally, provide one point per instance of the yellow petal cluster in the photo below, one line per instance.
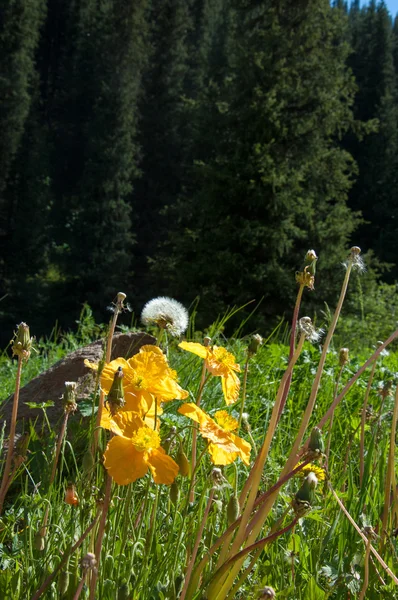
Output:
(135, 449)
(224, 446)
(147, 377)
(221, 363)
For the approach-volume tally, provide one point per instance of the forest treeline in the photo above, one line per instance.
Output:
(191, 148)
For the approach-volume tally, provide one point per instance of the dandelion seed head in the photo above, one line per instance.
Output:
(311, 334)
(166, 313)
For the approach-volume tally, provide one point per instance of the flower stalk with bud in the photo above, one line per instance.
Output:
(21, 347)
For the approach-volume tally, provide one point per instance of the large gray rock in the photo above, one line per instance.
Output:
(49, 386)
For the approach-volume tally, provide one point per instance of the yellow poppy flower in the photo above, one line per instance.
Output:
(146, 376)
(224, 446)
(221, 363)
(135, 449)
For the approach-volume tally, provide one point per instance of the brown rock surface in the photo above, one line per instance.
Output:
(49, 386)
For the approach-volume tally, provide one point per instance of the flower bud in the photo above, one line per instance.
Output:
(183, 463)
(267, 593)
(343, 356)
(89, 562)
(69, 397)
(304, 498)
(116, 393)
(316, 443)
(63, 582)
(70, 495)
(307, 275)
(22, 342)
(123, 592)
(39, 542)
(174, 493)
(233, 509)
(254, 344)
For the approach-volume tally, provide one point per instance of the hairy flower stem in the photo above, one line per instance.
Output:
(363, 422)
(60, 439)
(253, 481)
(390, 473)
(6, 480)
(292, 345)
(242, 403)
(196, 545)
(336, 387)
(64, 560)
(100, 534)
(223, 539)
(202, 383)
(80, 586)
(221, 588)
(366, 573)
(108, 354)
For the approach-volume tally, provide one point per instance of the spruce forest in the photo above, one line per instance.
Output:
(193, 148)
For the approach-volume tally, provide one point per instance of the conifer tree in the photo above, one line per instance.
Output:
(271, 179)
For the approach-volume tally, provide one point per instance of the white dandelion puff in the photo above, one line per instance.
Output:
(166, 313)
(311, 334)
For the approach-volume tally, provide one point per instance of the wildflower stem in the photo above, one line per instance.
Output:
(108, 353)
(80, 586)
(363, 422)
(6, 480)
(65, 559)
(242, 402)
(336, 387)
(100, 534)
(366, 572)
(292, 344)
(222, 589)
(60, 438)
(202, 383)
(390, 472)
(196, 545)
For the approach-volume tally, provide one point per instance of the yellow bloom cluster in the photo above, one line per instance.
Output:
(148, 381)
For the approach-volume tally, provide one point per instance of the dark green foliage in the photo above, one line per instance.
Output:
(189, 148)
(270, 181)
(374, 192)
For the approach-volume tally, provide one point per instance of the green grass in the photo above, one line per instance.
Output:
(144, 554)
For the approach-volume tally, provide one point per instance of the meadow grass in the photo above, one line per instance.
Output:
(181, 540)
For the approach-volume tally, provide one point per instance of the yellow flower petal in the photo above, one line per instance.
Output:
(230, 387)
(243, 446)
(163, 468)
(123, 423)
(109, 371)
(220, 456)
(123, 462)
(195, 348)
(226, 421)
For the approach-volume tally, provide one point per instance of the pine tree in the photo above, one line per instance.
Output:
(271, 180)
(19, 35)
(374, 191)
(97, 114)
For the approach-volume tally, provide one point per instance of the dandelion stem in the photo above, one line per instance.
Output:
(292, 345)
(390, 472)
(108, 354)
(6, 481)
(363, 422)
